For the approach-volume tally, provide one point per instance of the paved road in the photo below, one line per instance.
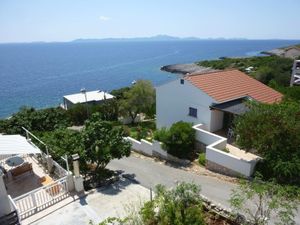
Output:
(149, 173)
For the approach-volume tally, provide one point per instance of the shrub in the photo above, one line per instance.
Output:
(180, 205)
(202, 159)
(179, 140)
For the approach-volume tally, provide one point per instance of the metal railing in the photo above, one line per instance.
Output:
(14, 207)
(41, 198)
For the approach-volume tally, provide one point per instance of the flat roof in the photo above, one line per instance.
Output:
(236, 106)
(90, 96)
(16, 144)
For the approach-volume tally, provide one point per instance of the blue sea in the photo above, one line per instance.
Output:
(39, 74)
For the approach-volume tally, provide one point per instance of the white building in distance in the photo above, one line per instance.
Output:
(85, 97)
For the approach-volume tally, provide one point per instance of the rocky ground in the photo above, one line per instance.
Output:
(190, 68)
(292, 52)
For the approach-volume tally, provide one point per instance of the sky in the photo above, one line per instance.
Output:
(66, 20)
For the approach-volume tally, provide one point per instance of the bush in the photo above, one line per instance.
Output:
(202, 159)
(179, 140)
(107, 111)
(179, 206)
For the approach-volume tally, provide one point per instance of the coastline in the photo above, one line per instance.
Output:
(190, 68)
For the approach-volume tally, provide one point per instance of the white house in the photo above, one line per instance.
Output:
(88, 97)
(210, 99)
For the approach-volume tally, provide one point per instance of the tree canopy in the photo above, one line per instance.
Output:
(35, 120)
(270, 200)
(273, 130)
(103, 142)
(139, 99)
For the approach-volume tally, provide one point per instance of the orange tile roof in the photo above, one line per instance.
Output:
(230, 84)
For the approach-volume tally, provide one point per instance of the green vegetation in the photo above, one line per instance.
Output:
(35, 120)
(139, 99)
(141, 130)
(202, 159)
(103, 142)
(273, 130)
(179, 206)
(108, 110)
(265, 69)
(270, 199)
(179, 140)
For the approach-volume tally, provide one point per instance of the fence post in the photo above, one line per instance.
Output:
(34, 201)
(70, 181)
(49, 163)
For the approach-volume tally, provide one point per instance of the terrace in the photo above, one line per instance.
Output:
(31, 179)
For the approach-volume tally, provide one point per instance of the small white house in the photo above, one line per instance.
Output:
(85, 97)
(210, 99)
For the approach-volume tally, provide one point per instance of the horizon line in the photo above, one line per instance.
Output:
(171, 38)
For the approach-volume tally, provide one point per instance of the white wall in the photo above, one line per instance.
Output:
(230, 161)
(173, 101)
(214, 153)
(216, 122)
(142, 146)
(153, 149)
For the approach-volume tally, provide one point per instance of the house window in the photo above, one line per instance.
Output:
(192, 112)
(181, 81)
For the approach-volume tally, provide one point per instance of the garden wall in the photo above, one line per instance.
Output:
(154, 149)
(220, 161)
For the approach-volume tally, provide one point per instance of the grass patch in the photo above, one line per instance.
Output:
(225, 150)
(202, 159)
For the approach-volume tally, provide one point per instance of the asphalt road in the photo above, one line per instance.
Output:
(149, 173)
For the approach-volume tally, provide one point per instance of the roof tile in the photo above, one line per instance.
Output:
(230, 84)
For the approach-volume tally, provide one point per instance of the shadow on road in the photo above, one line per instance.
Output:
(116, 187)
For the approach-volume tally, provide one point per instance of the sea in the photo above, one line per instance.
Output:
(40, 74)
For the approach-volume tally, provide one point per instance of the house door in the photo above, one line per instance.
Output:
(228, 120)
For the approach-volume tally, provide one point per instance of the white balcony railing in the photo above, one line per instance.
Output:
(41, 198)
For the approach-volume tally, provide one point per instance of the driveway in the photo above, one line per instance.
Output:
(98, 205)
(149, 173)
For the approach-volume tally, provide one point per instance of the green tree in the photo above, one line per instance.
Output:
(260, 201)
(35, 120)
(273, 130)
(63, 142)
(120, 93)
(139, 99)
(103, 143)
(179, 140)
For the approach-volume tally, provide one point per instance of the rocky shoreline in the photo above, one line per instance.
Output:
(190, 68)
(292, 52)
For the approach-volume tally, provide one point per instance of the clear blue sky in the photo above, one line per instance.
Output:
(64, 20)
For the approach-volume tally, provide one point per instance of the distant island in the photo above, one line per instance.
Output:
(153, 38)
